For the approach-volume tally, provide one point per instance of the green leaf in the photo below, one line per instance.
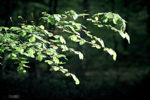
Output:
(8, 56)
(14, 28)
(111, 52)
(122, 34)
(24, 62)
(73, 37)
(52, 20)
(32, 39)
(75, 79)
(97, 46)
(56, 60)
(93, 41)
(52, 68)
(67, 74)
(105, 19)
(127, 37)
(40, 58)
(119, 21)
(56, 68)
(61, 55)
(14, 55)
(62, 40)
(82, 42)
(115, 20)
(49, 62)
(101, 42)
(64, 47)
(21, 70)
(57, 17)
(55, 47)
(74, 14)
(96, 18)
(23, 33)
(80, 55)
(31, 52)
(42, 27)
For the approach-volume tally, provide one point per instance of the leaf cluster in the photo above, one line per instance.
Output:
(28, 41)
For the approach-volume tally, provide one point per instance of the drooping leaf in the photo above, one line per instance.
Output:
(127, 37)
(122, 34)
(80, 55)
(101, 42)
(75, 79)
(111, 52)
(62, 40)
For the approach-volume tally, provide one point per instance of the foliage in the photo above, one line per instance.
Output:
(30, 41)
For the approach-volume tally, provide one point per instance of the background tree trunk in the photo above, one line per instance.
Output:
(81, 63)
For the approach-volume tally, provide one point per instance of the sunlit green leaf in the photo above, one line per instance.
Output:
(96, 18)
(32, 39)
(56, 60)
(49, 62)
(82, 42)
(75, 79)
(23, 33)
(40, 58)
(111, 52)
(101, 42)
(57, 17)
(42, 27)
(67, 74)
(122, 34)
(14, 55)
(61, 55)
(62, 40)
(14, 28)
(80, 55)
(24, 62)
(127, 37)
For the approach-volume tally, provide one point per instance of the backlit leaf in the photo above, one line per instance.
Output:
(80, 55)
(75, 79)
(127, 37)
(49, 62)
(40, 58)
(32, 39)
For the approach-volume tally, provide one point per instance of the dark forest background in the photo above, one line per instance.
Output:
(100, 77)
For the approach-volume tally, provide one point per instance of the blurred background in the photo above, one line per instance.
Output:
(100, 77)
